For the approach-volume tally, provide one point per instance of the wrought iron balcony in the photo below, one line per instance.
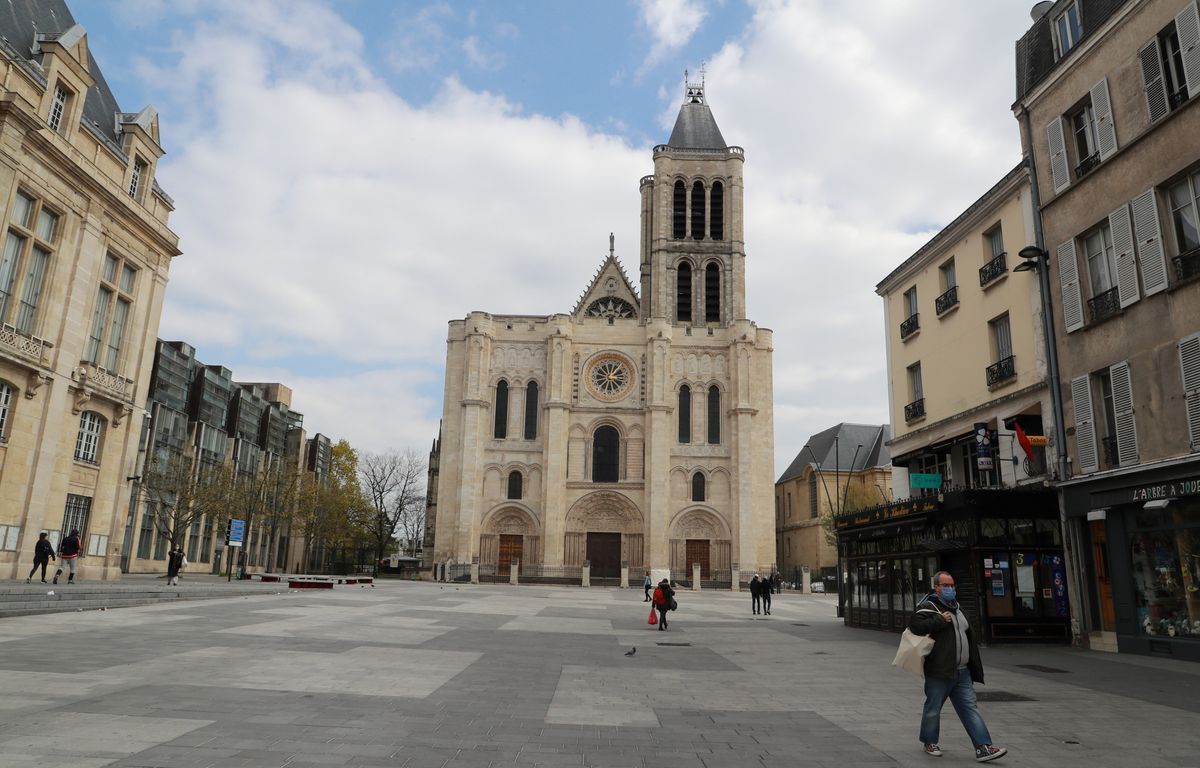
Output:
(993, 269)
(1111, 457)
(943, 303)
(1187, 264)
(914, 410)
(1002, 371)
(910, 326)
(1087, 164)
(1104, 305)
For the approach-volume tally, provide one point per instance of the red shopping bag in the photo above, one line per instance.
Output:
(653, 617)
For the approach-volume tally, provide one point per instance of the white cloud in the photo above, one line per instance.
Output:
(671, 24)
(421, 40)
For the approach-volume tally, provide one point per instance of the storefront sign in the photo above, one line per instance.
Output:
(924, 480)
(983, 446)
(885, 513)
(1189, 487)
(1037, 441)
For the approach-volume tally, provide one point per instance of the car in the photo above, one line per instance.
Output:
(817, 587)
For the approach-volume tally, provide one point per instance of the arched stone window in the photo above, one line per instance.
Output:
(813, 504)
(698, 486)
(606, 455)
(683, 293)
(531, 410)
(714, 415)
(514, 484)
(716, 212)
(679, 212)
(87, 443)
(6, 393)
(698, 211)
(685, 414)
(712, 293)
(500, 430)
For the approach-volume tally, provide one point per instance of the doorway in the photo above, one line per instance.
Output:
(697, 552)
(1104, 592)
(604, 553)
(511, 546)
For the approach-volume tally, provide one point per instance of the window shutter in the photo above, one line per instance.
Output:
(1189, 364)
(1068, 276)
(1060, 172)
(1122, 392)
(1106, 132)
(1152, 81)
(1148, 234)
(1085, 428)
(1187, 26)
(1122, 239)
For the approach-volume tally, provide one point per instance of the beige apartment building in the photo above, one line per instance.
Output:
(971, 414)
(844, 467)
(636, 429)
(82, 276)
(1107, 100)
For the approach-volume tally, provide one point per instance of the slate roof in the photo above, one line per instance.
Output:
(1035, 49)
(695, 127)
(840, 454)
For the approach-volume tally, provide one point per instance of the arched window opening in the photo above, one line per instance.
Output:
(698, 486)
(514, 484)
(87, 442)
(683, 293)
(531, 411)
(716, 212)
(712, 294)
(501, 427)
(679, 210)
(698, 211)
(714, 415)
(685, 414)
(606, 455)
(813, 504)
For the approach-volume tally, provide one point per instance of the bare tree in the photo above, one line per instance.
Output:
(393, 483)
(180, 491)
(412, 526)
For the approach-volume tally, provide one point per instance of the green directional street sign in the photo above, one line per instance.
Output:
(924, 480)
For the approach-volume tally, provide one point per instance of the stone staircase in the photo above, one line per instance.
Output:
(21, 599)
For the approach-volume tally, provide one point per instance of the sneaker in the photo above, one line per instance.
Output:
(988, 752)
(933, 750)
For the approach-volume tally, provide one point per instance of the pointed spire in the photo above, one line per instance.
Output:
(695, 127)
(612, 245)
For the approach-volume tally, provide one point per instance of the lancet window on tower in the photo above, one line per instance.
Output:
(606, 455)
(716, 211)
(698, 210)
(500, 426)
(685, 414)
(698, 486)
(712, 293)
(531, 410)
(679, 212)
(683, 293)
(714, 415)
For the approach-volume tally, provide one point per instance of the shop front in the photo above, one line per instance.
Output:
(1003, 546)
(1141, 538)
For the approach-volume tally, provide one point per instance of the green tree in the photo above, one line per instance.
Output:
(180, 491)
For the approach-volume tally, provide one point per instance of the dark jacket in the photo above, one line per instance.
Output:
(662, 597)
(942, 661)
(43, 550)
(174, 562)
(70, 547)
(755, 587)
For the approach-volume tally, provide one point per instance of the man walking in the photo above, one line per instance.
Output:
(68, 554)
(755, 593)
(951, 669)
(765, 590)
(43, 553)
(646, 585)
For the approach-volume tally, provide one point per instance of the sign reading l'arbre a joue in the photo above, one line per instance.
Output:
(1169, 490)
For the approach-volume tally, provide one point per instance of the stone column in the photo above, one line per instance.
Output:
(736, 581)
(805, 580)
(586, 574)
(514, 572)
(475, 572)
(625, 575)
(695, 577)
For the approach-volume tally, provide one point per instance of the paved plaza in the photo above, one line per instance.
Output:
(427, 675)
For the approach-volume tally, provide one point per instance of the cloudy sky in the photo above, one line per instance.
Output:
(349, 175)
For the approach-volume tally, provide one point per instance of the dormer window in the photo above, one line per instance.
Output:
(135, 179)
(58, 108)
(1066, 31)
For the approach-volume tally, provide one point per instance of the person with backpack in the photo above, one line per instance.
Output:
(43, 553)
(664, 600)
(68, 554)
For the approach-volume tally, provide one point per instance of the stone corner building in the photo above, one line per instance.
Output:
(637, 428)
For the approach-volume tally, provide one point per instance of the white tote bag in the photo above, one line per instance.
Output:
(910, 656)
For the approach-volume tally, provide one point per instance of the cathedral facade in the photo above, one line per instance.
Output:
(637, 428)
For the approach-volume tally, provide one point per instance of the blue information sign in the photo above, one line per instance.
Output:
(237, 532)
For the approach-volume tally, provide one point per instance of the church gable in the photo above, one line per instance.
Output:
(610, 294)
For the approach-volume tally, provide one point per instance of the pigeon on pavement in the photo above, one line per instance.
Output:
(631, 651)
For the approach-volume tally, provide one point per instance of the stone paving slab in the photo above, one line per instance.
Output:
(412, 674)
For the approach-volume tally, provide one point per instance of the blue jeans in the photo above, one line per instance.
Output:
(961, 692)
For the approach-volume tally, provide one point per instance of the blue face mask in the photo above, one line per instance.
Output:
(948, 594)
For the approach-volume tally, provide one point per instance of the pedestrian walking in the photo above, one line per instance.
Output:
(952, 668)
(176, 561)
(43, 553)
(777, 580)
(755, 593)
(766, 596)
(646, 585)
(68, 554)
(664, 601)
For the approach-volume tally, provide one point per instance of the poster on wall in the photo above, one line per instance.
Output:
(983, 446)
(1058, 576)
